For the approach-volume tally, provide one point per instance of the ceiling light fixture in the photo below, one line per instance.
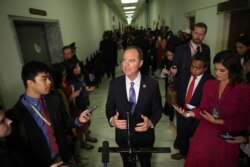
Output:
(129, 1)
(129, 15)
(127, 12)
(129, 7)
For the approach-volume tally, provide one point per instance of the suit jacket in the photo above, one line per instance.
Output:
(183, 61)
(195, 99)
(148, 104)
(108, 48)
(27, 138)
(197, 95)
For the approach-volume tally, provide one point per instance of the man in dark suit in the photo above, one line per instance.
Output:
(191, 95)
(145, 110)
(108, 49)
(39, 121)
(143, 44)
(69, 53)
(183, 58)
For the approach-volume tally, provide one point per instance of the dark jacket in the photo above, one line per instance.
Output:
(148, 104)
(27, 138)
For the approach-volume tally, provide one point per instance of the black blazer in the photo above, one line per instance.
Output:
(197, 95)
(148, 104)
(183, 61)
(191, 123)
(27, 138)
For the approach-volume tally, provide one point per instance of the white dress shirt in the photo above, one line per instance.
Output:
(137, 82)
(198, 78)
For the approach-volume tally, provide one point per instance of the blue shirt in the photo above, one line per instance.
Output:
(27, 102)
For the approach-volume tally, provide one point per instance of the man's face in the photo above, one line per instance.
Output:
(198, 35)
(221, 73)
(131, 63)
(67, 54)
(170, 55)
(41, 85)
(197, 68)
(5, 125)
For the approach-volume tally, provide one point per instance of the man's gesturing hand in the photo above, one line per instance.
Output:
(120, 124)
(143, 126)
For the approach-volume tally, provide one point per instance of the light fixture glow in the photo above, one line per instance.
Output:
(129, 1)
(127, 12)
(129, 15)
(129, 7)
(129, 19)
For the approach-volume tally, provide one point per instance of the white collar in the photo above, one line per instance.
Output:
(136, 80)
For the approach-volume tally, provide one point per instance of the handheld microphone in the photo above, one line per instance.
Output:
(105, 152)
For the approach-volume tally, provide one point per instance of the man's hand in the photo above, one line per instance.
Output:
(90, 88)
(143, 126)
(183, 112)
(59, 164)
(120, 124)
(85, 116)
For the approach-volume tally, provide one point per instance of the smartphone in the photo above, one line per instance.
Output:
(91, 109)
(226, 136)
(190, 107)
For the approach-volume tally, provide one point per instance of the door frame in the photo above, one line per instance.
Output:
(47, 23)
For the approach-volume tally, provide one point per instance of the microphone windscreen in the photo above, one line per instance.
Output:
(105, 151)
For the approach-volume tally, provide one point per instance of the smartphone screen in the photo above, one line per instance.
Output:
(226, 136)
(190, 107)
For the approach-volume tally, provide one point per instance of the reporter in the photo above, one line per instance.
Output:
(39, 121)
(8, 157)
(230, 97)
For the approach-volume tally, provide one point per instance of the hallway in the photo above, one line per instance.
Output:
(101, 129)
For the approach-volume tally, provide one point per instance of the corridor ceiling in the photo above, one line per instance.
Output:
(117, 6)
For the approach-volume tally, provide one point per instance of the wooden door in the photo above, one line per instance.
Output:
(239, 24)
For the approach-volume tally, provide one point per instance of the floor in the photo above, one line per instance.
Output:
(100, 128)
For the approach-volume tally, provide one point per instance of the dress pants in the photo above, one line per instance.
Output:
(129, 160)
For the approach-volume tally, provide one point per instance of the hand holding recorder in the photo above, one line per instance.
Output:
(86, 114)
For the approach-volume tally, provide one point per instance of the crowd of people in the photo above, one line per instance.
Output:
(52, 115)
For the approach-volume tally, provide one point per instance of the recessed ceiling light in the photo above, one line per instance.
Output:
(129, 7)
(129, 12)
(129, 1)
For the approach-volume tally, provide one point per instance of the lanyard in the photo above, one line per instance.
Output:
(38, 113)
